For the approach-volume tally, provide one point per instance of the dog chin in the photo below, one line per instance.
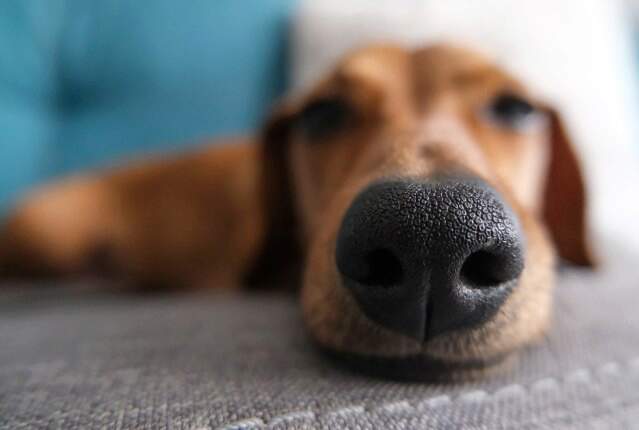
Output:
(359, 345)
(419, 367)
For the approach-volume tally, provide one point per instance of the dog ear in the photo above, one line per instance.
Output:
(280, 253)
(565, 198)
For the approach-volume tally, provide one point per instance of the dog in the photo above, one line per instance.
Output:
(420, 197)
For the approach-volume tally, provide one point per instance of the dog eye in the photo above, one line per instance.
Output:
(512, 111)
(323, 117)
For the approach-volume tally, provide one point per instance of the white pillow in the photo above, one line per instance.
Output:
(578, 53)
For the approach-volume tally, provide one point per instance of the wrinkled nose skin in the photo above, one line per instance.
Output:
(424, 258)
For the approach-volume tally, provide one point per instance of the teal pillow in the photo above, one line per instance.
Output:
(87, 82)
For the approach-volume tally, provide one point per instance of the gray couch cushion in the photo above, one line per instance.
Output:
(76, 357)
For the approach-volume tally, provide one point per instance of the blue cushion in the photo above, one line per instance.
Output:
(85, 82)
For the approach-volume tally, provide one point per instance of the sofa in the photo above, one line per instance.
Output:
(84, 356)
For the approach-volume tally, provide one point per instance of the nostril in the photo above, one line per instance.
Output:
(483, 269)
(383, 268)
(379, 267)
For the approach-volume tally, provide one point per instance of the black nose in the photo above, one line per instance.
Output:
(424, 258)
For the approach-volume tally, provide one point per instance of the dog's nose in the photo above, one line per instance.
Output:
(425, 258)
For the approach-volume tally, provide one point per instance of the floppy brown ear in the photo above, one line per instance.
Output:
(565, 198)
(281, 251)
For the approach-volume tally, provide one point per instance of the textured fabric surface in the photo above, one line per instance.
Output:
(84, 358)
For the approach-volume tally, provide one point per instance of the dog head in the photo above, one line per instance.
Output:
(431, 192)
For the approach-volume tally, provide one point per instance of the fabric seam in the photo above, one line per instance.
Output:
(580, 375)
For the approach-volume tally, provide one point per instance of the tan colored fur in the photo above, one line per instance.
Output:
(188, 220)
(213, 215)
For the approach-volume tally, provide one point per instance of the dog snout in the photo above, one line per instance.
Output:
(424, 258)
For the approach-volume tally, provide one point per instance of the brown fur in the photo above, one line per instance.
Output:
(217, 216)
(191, 220)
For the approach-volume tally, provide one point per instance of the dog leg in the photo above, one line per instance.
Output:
(191, 219)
